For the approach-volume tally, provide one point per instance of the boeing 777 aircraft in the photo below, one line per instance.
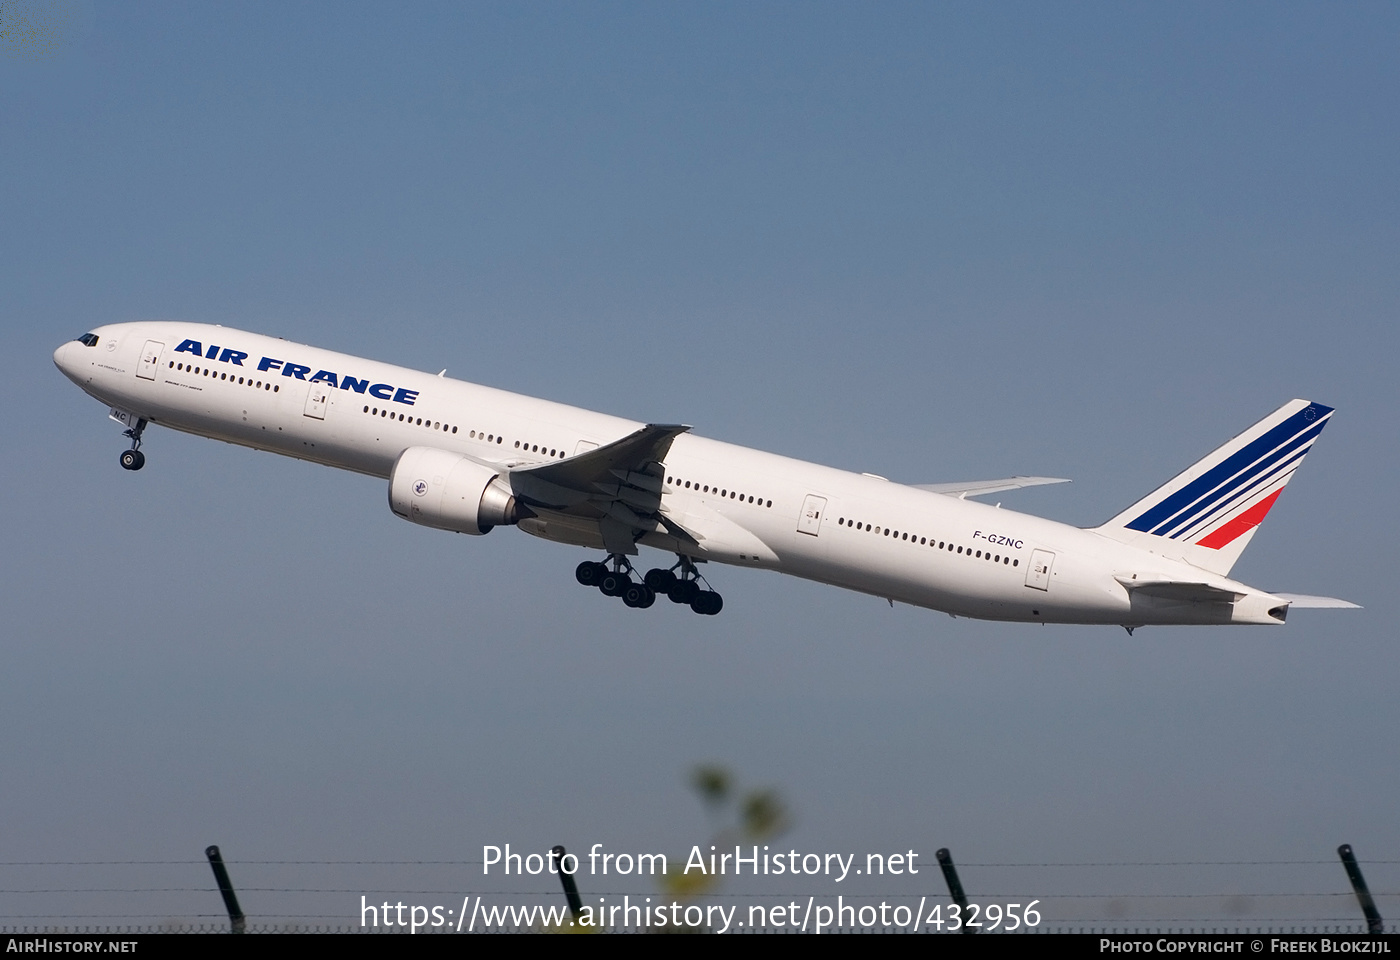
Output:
(469, 458)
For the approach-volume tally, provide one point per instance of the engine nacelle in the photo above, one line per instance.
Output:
(440, 489)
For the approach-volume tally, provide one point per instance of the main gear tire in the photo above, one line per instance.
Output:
(707, 603)
(683, 591)
(613, 584)
(660, 580)
(638, 596)
(590, 572)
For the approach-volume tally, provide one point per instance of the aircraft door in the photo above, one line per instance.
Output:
(316, 399)
(1038, 573)
(150, 359)
(810, 521)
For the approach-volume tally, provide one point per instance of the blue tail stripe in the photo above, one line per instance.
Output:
(1205, 503)
(1300, 421)
(1196, 525)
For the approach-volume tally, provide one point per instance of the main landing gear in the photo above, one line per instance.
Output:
(134, 459)
(683, 587)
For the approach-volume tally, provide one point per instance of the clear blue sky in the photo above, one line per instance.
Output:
(935, 242)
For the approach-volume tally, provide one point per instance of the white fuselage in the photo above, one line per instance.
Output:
(761, 510)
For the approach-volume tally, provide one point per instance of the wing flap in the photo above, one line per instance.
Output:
(600, 472)
(617, 485)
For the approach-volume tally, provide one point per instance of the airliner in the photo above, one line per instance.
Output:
(468, 459)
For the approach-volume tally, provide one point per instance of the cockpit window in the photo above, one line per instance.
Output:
(88, 339)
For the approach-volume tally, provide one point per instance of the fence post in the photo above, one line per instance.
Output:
(236, 920)
(1374, 924)
(955, 889)
(567, 880)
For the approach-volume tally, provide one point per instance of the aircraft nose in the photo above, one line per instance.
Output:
(66, 361)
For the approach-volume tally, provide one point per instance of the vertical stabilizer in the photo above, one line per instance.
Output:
(1207, 514)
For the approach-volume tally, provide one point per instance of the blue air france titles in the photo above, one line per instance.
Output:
(382, 391)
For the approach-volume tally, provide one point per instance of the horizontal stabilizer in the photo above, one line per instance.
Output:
(979, 488)
(1181, 591)
(1304, 602)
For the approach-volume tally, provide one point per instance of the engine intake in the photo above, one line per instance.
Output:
(441, 489)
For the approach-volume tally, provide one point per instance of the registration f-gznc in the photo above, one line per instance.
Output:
(468, 458)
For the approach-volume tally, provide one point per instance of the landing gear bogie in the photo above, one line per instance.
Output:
(681, 584)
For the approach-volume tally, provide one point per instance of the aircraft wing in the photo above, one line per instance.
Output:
(978, 488)
(618, 485)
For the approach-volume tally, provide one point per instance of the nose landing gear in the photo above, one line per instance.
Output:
(616, 581)
(133, 458)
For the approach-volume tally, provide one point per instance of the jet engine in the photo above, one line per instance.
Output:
(441, 489)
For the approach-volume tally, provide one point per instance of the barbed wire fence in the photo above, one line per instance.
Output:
(1303, 896)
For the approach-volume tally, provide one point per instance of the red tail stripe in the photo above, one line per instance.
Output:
(1240, 525)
